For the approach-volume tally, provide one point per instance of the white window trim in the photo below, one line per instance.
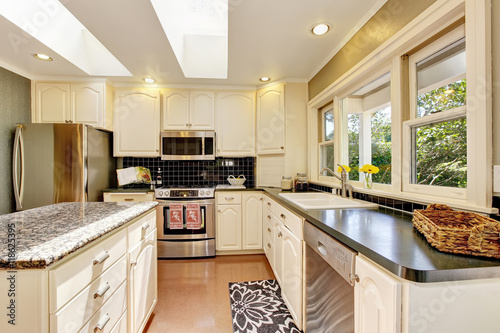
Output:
(438, 16)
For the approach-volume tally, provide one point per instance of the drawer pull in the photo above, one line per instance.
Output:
(133, 263)
(101, 323)
(128, 199)
(268, 245)
(283, 216)
(102, 290)
(268, 229)
(229, 198)
(102, 258)
(280, 234)
(145, 227)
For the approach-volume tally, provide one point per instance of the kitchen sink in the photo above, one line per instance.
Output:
(311, 200)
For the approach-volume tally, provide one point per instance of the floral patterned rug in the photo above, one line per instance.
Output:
(257, 307)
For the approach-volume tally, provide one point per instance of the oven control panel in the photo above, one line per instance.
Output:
(184, 193)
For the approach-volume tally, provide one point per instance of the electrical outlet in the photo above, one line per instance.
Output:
(496, 178)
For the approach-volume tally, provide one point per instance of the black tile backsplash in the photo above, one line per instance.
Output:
(400, 205)
(188, 173)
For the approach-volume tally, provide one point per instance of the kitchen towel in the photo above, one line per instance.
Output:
(193, 216)
(176, 221)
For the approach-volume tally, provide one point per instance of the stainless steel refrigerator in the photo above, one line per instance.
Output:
(55, 163)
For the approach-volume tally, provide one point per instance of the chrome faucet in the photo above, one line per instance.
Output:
(343, 180)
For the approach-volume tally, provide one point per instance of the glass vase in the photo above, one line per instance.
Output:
(368, 182)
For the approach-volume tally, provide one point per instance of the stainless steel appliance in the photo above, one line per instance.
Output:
(188, 145)
(185, 242)
(330, 279)
(55, 163)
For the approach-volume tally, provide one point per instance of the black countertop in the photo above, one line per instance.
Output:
(388, 238)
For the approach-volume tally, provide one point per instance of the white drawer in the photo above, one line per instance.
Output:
(268, 227)
(68, 279)
(112, 309)
(133, 197)
(268, 203)
(269, 250)
(228, 198)
(290, 220)
(121, 325)
(139, 229)
(76, 313)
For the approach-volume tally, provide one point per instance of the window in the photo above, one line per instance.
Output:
(327, 138)
(367, 120)
(437, 128)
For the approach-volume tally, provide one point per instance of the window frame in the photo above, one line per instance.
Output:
(437, 18)
(415, 121)
(324, 143)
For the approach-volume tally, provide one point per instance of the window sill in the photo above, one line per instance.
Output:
(420, 199)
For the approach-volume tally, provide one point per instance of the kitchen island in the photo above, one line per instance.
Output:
(78, 267)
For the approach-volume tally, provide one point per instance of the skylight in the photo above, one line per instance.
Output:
(197, 31)
(53, 25)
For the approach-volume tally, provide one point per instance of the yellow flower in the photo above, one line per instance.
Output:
(368, 168)
(346, 167)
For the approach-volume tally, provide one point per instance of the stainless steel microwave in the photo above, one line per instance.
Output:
(187, 145)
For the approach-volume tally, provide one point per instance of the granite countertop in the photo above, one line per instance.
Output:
(388, 238)
(47, 234)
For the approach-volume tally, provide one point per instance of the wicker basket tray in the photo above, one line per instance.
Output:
(458, 232)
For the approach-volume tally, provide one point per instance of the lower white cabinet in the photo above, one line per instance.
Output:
(108, 286)
(377, 300)
(284, 248)
(143, 289)
(239, 221)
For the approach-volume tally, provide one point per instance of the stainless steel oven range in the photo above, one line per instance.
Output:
(186, 227)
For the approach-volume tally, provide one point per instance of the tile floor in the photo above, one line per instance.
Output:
(193, 295)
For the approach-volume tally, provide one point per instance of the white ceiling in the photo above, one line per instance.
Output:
(266, 38)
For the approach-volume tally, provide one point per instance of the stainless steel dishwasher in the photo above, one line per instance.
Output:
(329, 288)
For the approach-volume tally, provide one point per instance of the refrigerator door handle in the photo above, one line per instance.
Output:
(18, 154)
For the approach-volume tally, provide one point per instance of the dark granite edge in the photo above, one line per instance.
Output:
(407, 273)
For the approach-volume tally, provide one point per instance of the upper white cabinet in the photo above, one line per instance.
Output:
(271, 120)
(236, 123)
(377, 300)
(86, 103)
(188, 110)
(137, 123)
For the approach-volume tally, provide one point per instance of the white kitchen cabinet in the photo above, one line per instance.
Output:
(188, 110)
(239, 221)
(291, 275)
(236, 123)
(143, 289)
(251, 221)
(283, 232)
(377, 300)
(271, 120)
(137, 123)
(85, 103)
(228, 227)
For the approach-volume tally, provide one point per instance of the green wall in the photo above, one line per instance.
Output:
(393, 16)
(15, 107)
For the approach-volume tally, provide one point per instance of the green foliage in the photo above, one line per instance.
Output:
(441, 149)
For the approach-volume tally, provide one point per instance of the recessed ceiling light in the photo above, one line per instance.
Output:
(149, 80)
(320, 29)
(41, 56)
(265, 79)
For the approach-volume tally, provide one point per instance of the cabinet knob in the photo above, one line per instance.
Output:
(268, 245)
(187, 125)
(280, 234)
(353, 278)
(219, 210)
(282, 147)
(261, 199)
(283, 216)
(269, 204)
(269, 229)
(268, 217)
